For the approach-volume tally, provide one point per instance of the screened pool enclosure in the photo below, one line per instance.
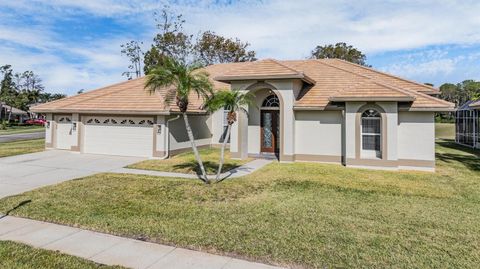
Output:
(467, 125)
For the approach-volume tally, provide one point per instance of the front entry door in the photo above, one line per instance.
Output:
(270, 131)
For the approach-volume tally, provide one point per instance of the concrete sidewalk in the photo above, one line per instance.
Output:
(243, 170)
(113, 250)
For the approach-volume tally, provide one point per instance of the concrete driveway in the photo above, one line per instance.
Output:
(26, 172)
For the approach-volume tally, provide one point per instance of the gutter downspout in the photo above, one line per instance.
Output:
(166, 140)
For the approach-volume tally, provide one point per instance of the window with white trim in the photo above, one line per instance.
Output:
(371, 133)
(271, 101)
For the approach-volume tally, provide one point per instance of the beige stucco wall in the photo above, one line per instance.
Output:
(254, 121)
(77, 132)
(249, 135)
(216, 120)
(351, 109)
(416, 135)
(200, 125)
(391, 110)
(318, 133)
(159, 137)
(49, 131)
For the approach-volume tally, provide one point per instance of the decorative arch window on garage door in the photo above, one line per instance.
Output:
(64, 120)
(119, 121)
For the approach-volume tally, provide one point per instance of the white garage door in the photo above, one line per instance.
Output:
(123, 136)
(63, 132)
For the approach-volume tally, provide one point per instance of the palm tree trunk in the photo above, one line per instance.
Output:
(222, 153)
(194, 148)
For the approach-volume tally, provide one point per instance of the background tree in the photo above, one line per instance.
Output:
(212, 48)
(29, 88)
(339, 51)
(170, 42)
(22, 90)
(8, 90)
(232, 101)
(186, 79)
(135, 55)
(207, 48)
(460, 93)
(48, 97)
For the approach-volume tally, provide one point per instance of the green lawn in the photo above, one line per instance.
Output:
(296, 214)
(20, 256)
(445, 130)
(185, 162)
(22, 129)
(21, 147)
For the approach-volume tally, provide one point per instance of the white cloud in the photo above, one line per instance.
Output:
(436, 65)
(275, 28)
(428, 68)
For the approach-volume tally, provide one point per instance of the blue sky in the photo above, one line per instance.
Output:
(75, 45)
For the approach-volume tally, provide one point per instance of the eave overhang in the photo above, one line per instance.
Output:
(372, 98)
(428, 109)
(229, 79)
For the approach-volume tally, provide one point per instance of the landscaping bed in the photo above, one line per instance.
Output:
(185, 162)
(296, 214)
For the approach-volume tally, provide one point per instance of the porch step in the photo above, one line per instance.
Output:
(266, 156)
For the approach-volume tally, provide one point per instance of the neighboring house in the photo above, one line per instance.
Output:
(467, 124)
(14, 113)
(307, 110)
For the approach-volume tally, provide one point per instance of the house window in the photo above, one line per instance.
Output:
(271, 101)
(371, 133)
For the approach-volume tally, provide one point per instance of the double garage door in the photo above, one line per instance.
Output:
(123, 136)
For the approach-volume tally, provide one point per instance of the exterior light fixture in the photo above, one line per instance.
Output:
(74, 126)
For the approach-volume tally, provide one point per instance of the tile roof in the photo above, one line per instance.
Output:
(326, 80)
(129, 97)
(335, 78)
(263, 69)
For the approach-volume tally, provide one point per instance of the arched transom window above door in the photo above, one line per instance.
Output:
(271, 101)
(371, 133)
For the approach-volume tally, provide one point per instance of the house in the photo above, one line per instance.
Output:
(325, 110)
(12, 113)
(467, 124)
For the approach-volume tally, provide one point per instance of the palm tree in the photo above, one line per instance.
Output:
(186, 79)
(232, 101)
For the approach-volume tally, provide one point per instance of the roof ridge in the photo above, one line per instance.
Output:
(407, 92)
(231, 72)
(288, 67)
(386, 74)
(434, 98)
